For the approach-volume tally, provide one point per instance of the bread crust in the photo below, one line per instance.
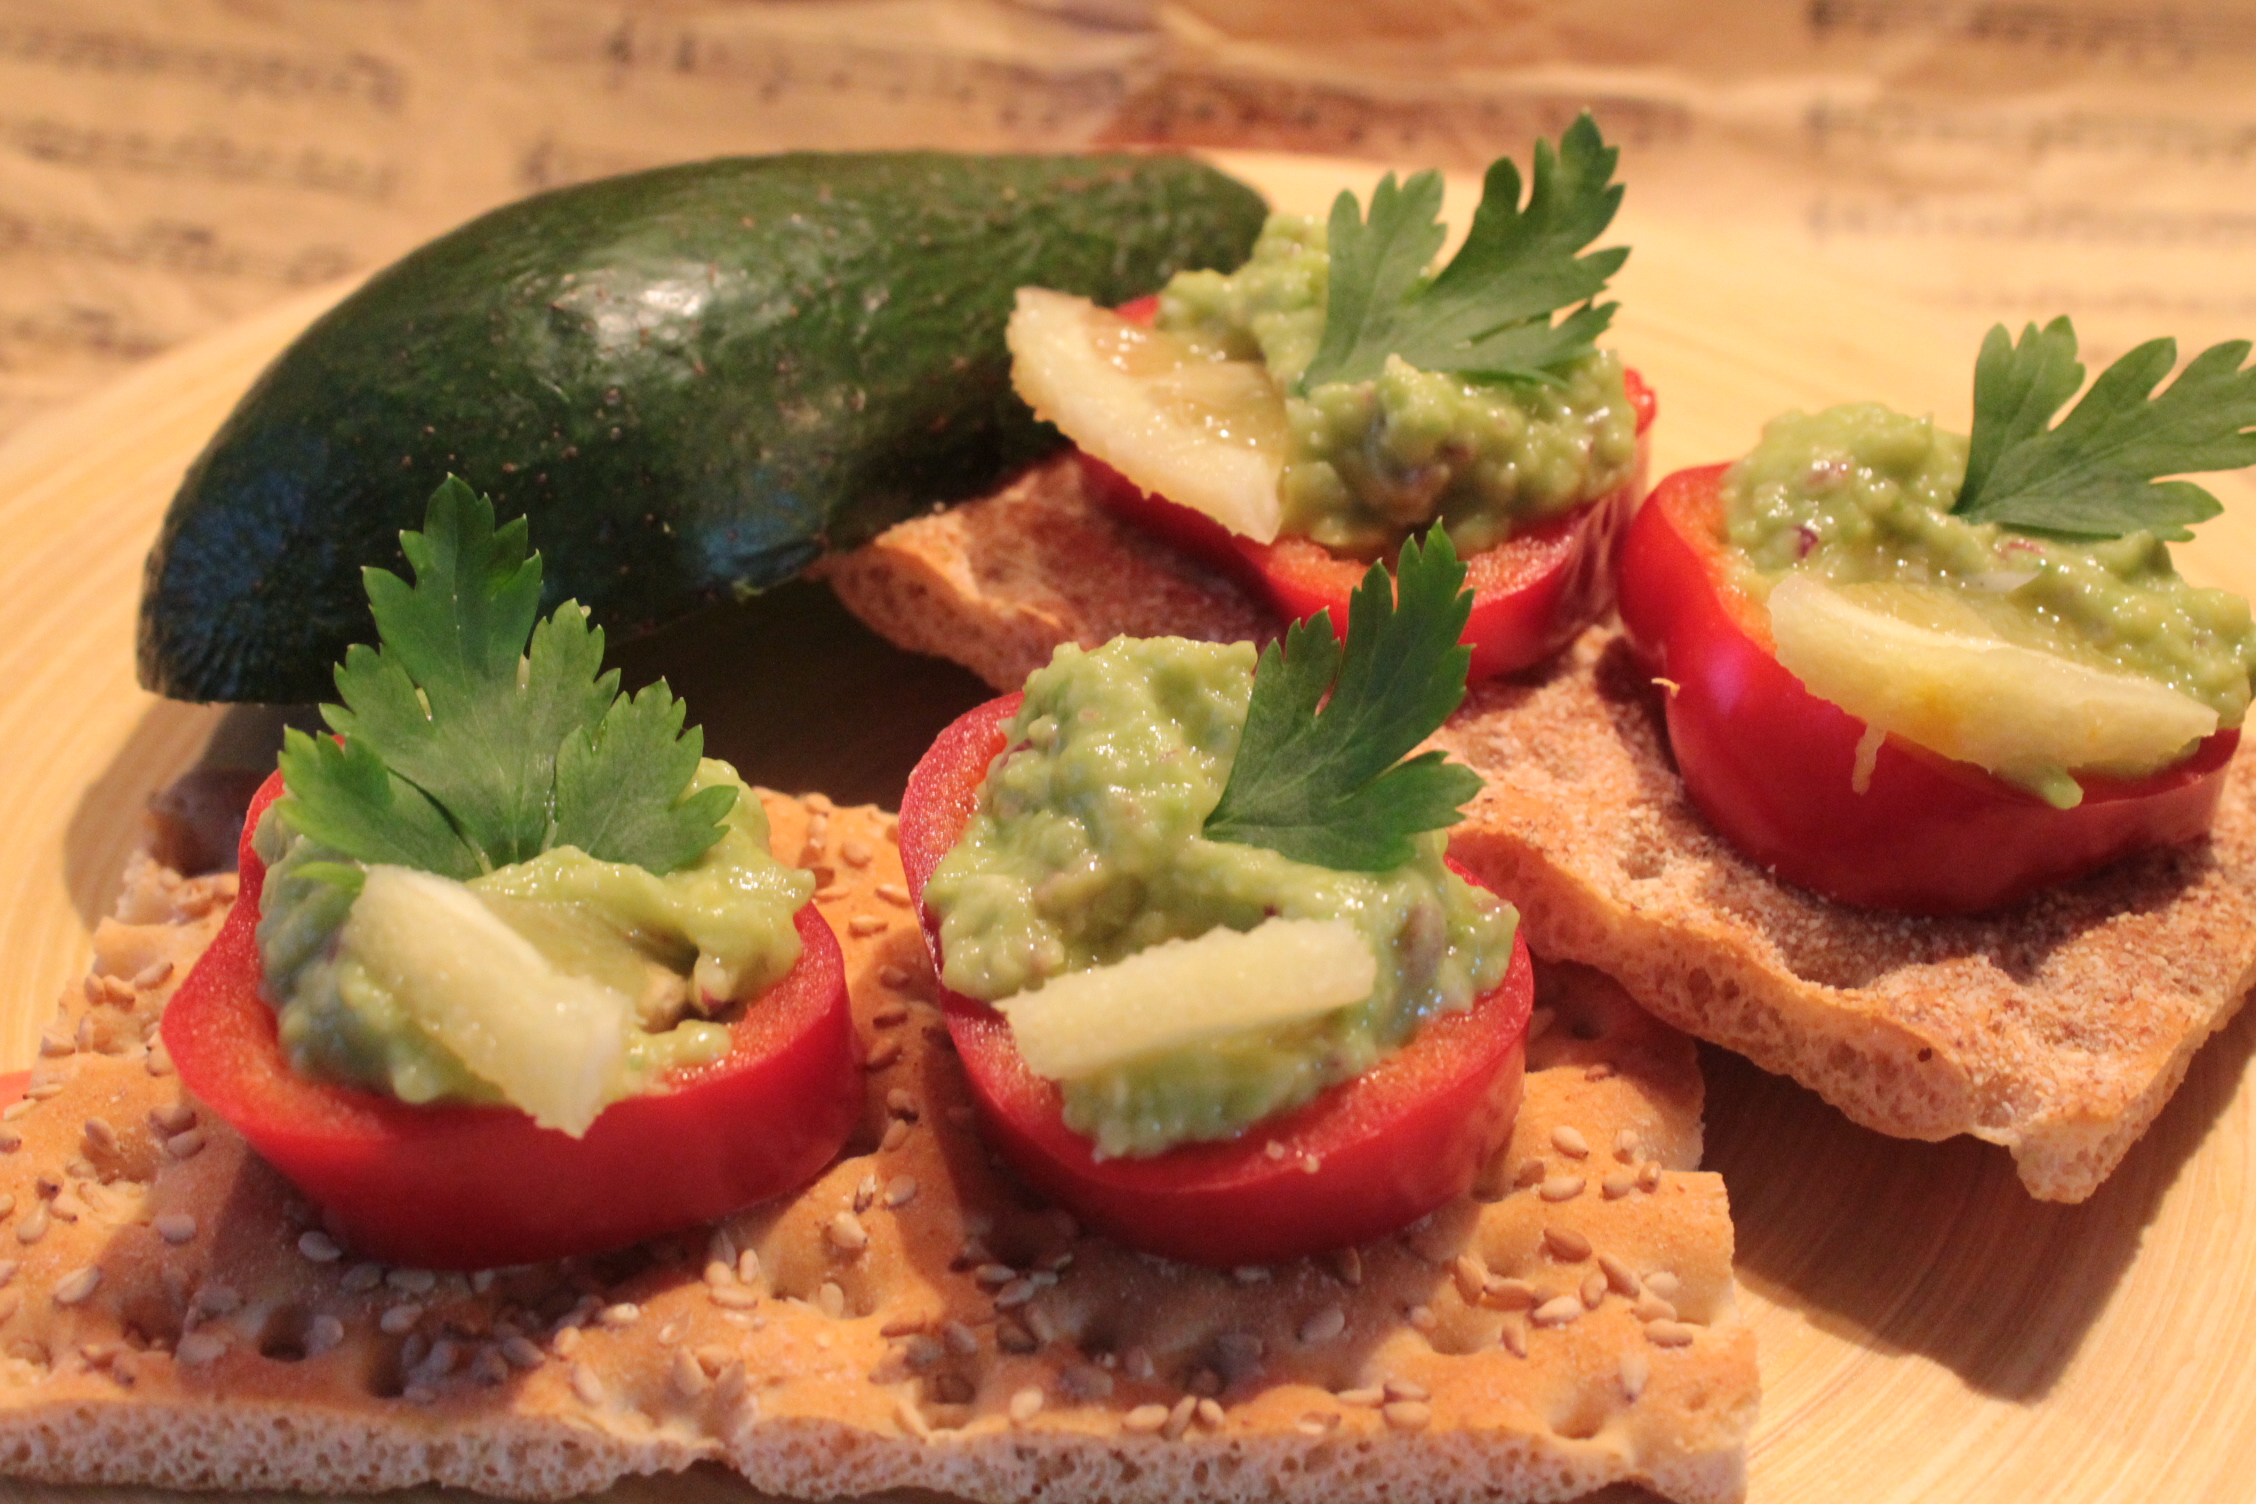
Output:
(2056, 1028)
(909, 1320)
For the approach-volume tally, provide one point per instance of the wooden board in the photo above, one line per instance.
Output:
(1928, 1333)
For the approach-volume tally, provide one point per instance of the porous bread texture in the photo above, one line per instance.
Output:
(175, 1315)
(998, 583)
(2057, 1027)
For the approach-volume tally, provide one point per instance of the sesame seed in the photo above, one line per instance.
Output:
(159, 1062)
(894, 976)
(1599, 1071)
(185, 1145)
(1010, 1337)
(1530, 1172)
(865, 1193)
(623, 1313)
(1569, 1141)
(399, 1320)
(1422, 1318)
(52, 1044)
(1025, 1405)
(1663, 1284)
(719, 1272)
(732, 1297)
(101, 1138)
(1617, 1184)
(169, 1118)
(67, 1207)
(218, 1300)
(1635, 1370)
(1654, 1307)
(1511, 1294)
(959, 1339)
(883, 1054)
(155, 974)
(1324, 1325)
(1086, 1382)
(1016, 1293)
(411, 1281)
(586, 1385)
(1472, 1277)
(902, 1103)
(830, 1299)
(1557, 1311)
(829, 891)
(362, 1278)
(1179, 1417)
(857, 852)
(1625, 1145)
(489, 1368)
(1620, 1276)
(894, 893)
(1649, 1175)
(1593, 1288)
(1566, 1244)
(522, 1352)
(862, 926)
(900, 1190)
(1210, 1414)
(321, 1334)
(1346, 1266)
(686, 1375)
(922, 1350)
(199, 1347)
(33, 1225)
(892, 1015)
(73, 1288)
(315, 1244)
(896, 1134)
(1669, 1333)
(8, 1268)
(846, 1233)
(174, 1227)
(1144, 1420)
(1370, 1397)
(10, 1140)
(748, 1266)
(1513, 1337)
(1407, 1415)
(1560, 1188)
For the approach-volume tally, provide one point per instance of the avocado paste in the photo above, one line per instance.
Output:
(1861, 494)
(1086, 848)
(1372, 462)
(682, 946)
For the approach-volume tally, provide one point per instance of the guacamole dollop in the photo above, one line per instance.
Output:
(1086, 848)
(682, 947)
(1861, 494)
(1372, 462)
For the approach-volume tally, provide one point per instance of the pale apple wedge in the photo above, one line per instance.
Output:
(551, 1043)
(2025, 714)
(1186, 992)
(1206, 434)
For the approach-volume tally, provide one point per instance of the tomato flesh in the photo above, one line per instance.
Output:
(1771, 765)
(1386, 1147)
(1532, 593)
(472, 1187)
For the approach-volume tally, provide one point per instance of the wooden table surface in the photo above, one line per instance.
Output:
(1927, 1332)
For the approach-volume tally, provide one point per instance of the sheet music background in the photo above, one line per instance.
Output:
(167, 167)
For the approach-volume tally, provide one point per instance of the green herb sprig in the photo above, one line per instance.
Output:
(2098, 473)
(475, 735)
(1322, 780)
(1487, 314)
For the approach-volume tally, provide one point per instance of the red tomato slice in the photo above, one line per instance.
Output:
(456, 1187)
(1532, 593)
(1386, 1147)
(1771, 765)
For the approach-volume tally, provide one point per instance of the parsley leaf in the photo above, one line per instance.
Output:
(1323, 781)
(1487, 315)
(2098, 474)
(476, 735)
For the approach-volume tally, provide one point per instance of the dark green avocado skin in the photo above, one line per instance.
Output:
(694, 381)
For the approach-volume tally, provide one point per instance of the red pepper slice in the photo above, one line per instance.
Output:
(1532, 593)
(1771, 765)
(1386, 1148)
(473, 1187)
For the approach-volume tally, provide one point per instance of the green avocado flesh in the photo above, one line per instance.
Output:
(695, 380)
(1086, 848)
(1372, 462)
(1861, 494)
(671, 952)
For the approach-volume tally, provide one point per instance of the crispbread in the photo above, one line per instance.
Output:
(907, 1320)
(998, 583)
(2057, 1028)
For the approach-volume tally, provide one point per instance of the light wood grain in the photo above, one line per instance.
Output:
(1928, 1333)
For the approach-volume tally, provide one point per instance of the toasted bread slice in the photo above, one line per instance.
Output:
(2057, 1028)
(173, 1313)
(998, 583)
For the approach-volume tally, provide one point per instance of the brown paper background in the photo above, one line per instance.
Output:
(168, 167)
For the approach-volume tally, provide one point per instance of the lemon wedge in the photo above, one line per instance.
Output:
(1206, 434)
(1960, 689)
(1186, 992)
